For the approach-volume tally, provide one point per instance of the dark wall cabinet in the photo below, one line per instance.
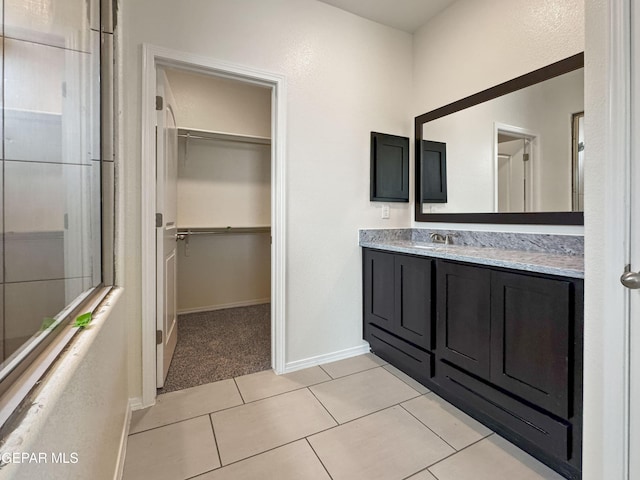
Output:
(389, 168)
(503, 345)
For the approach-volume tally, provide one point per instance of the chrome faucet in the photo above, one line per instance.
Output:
(447, 239)
(437, 238)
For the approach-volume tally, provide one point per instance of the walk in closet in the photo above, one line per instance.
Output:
(223, 229)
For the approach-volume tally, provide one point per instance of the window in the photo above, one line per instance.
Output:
(51, 175)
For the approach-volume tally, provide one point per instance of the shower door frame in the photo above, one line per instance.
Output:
(154, 57)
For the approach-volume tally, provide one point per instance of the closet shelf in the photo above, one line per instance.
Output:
(191, 133)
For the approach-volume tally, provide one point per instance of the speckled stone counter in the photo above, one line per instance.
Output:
(550, 254)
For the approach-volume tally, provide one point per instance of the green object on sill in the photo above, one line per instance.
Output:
(83, 320)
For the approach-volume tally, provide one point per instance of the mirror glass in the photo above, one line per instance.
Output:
(517, 153)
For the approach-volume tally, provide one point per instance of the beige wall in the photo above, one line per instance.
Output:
(346, 77)
(224, 271)
(221, 105)
(222, 183)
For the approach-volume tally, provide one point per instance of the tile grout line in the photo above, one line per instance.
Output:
(256, 454)
(215, 440)
(288, 391)
(363, 416)
(221, 409)
(337, 424)
(427, 426)
(167, 424)
(277, 395)
(431, 473)
(329, 375)
(318, 457)
(239, 392)
(420, 471)
(307, 439)
(458, 451)
(284, 393)
(323, 406)
(359, 371)
(407, 383)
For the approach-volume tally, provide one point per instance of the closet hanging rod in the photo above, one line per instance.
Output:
(185, 232)
(230, 137)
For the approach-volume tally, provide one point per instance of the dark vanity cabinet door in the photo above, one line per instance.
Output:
(531, 338)
(398, 318)
(464, 317)
(413, 300)
(379, 289)
(397, 295)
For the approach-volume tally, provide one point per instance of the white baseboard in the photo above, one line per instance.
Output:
(210, 308)
(133, 402)
(136, 404)
(326, 358)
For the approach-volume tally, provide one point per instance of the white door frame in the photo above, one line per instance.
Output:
(634, 305)
(607, 367)
(520, 132)
(153, 56)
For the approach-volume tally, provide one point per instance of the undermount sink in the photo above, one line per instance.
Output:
(430, 246)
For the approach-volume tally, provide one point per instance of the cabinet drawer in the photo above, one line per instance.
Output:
(413, 361)
(542, 431)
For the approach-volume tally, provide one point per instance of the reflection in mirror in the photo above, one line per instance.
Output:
(514, 152)
(513, 176)
(578, 156)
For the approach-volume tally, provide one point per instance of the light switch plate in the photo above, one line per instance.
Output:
(385, 211)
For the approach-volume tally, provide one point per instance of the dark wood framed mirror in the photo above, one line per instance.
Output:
(512, 152)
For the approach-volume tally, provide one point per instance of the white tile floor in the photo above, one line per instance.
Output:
(354, 419)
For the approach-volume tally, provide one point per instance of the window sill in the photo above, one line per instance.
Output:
(39, 371)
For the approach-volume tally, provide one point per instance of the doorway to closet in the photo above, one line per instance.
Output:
(155, 58)
(220, 286)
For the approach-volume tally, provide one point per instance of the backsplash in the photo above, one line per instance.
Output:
(531, 242)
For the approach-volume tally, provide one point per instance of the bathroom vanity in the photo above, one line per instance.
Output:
(495, 331)
(494, 322)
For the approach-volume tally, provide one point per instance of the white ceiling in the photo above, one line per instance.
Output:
(407, 15)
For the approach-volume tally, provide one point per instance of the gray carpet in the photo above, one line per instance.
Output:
(218, 345)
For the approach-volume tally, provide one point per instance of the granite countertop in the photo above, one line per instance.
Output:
(531, 261)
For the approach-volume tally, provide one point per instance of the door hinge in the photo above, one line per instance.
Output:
(159, 102)
(158, 219)
(158, 337)
(525, 157)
